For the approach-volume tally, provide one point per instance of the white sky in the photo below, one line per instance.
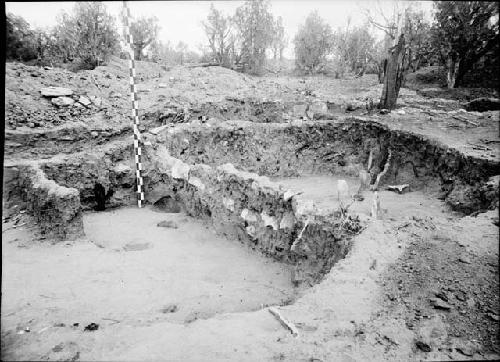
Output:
(181, 20)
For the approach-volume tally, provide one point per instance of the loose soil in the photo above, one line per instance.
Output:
(129, 273)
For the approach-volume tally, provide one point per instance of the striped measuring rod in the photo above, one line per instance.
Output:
(135, 104)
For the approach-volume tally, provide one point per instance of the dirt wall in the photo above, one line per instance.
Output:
(112, 167)
(340, 147)
(55, 208)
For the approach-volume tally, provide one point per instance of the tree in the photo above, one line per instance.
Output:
(418, 36)
(378, 56)
(279, 41)
(396, 61)
(66, 37)
(464, 32)
(218, 31)
(89, 33)
(354, 48)
(181, 49)
(144, 31)
(313, 42)
(254, 24)
(20, 39)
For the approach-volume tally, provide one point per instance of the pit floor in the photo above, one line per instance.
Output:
(130, 272)
(322, 190)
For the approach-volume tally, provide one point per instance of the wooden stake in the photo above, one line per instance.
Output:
(374, 187)
(288, 325)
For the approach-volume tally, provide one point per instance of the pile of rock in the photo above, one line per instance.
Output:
(64, 97)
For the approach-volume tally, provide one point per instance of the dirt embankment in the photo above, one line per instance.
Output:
(466, 182)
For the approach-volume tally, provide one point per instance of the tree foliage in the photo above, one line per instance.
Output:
(20, 39)
(218, 31)
(254, 24)
(418, 38)
(464, 32)
(144, 31)
(279, 41)
(88, 34)
(354, 48)
(313, 42)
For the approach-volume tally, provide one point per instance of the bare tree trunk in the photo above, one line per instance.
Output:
(394, 75)
(452, 65)
(138, 53)
(381, 70)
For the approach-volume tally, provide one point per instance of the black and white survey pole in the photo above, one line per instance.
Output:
(135, 103)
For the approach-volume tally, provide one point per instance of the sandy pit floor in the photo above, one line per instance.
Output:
(129, 273)
(322, 190)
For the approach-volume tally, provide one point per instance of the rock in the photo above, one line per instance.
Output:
(180, 170)
(31, 125)
(58, 348)
(269, 220)
(84, 101)
(122, 168)
(157, 130)
(464, 259)
(438, 303)
(350, 107)
(96, 100)
(167, 224)
(249, 216)
(62, 101)
(170, 308)
(318, 107)
(401, 112)
(299, 110)
(384, 111)
(92, 327)
(460, 295)
(288, 221)
(94, 134)
(467, 349)
(56, 92)
(162, 85)
(442, 296)
(228, 203)
(493, 317)
(424, 347)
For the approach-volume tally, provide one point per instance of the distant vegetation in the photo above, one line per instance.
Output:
(463, 38)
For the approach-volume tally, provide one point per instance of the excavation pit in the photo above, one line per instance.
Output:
(223, 174)
(211, 189)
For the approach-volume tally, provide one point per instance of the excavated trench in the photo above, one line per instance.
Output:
(270, 186)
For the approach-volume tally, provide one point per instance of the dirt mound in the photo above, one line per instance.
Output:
(25, 105)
